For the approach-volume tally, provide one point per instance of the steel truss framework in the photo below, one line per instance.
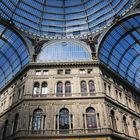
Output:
(120, 49)
(13, 54)
(63, 18)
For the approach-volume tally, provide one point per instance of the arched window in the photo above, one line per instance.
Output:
(113, 120)
(109, 89)
(64, 51)
(67, 88)
(37, 119)
(59, 88)
(104, 86)
(5, 130)
(64, 119)
(91, 118)
(44, 89)
(120, 96)
(23, 88)
(36, 89)
(135, 129)
(15, 125)
(19, 93)
(83, 87)
(10, 100)
(91, 87)
(125, 126)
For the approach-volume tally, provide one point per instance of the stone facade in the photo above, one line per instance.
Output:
(116, 104)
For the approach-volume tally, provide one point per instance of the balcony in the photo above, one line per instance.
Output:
(99, 132)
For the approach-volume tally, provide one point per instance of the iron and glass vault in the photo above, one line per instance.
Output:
(120, 49)
(63, 18)
(13, 54)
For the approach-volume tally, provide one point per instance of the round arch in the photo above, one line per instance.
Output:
(119, 49)
(64, 50)
(14, 53)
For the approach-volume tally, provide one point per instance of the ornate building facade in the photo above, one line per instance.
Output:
(69, 70)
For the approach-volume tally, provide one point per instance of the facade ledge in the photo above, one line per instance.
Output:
(75, 133)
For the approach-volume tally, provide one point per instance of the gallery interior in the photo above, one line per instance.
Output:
(69, 70)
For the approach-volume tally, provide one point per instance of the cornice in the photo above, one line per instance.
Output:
(64, 64)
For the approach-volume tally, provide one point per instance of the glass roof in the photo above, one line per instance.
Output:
(120, 49)
(64, 51)
(13, 54)
(62, 18)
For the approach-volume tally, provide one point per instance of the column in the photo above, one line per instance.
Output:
(98, 120)
(70, 123)
(30, 122)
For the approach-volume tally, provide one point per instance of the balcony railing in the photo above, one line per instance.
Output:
(65, 132)
(73, 132)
